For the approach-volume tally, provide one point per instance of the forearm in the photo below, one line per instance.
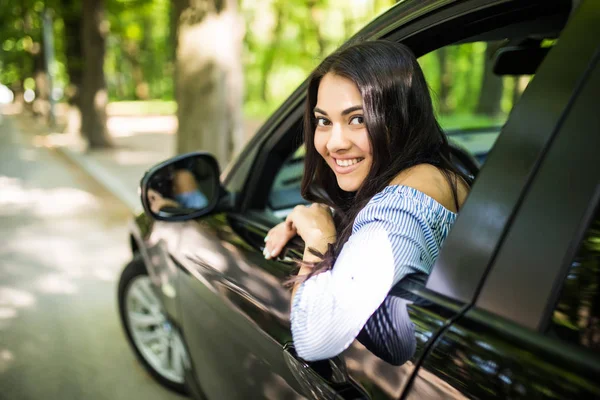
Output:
(309, 257)
(331, 308)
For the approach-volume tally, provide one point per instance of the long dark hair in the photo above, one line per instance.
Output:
(401, 125)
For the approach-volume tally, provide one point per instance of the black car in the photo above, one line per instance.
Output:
(512, 307)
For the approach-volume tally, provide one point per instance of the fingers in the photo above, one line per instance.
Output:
(277, 239)
(274, 244)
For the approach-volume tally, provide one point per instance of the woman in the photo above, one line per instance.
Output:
(374, 147)
(184, 188)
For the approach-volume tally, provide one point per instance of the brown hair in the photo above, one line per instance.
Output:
(401, 125)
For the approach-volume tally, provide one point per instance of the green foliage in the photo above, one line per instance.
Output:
(20, 34)
(139, 56)
(284, 40)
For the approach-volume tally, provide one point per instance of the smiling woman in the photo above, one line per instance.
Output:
(341, 136)
(375, 148)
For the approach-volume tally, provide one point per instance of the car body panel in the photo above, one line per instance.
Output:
(503, 179)
(550, 220)
(236, 313)
(500, 347)
(480, 357)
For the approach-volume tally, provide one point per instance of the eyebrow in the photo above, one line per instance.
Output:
(345, 112)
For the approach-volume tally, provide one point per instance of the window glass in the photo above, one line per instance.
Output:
(471, 102)
(285, 192)
(576, 317)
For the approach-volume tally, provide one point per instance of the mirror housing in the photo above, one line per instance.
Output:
(182, 188)
(522, 59)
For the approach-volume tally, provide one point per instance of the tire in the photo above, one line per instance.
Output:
(157, 344)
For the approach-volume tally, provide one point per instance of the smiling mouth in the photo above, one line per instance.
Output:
(347, 162)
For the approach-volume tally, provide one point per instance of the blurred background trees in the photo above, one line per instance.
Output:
(213, 63)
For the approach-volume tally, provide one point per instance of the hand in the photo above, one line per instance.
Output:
(314, 224)
(277, 239)
(158, 202)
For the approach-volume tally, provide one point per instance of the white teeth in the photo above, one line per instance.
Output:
(347, 163)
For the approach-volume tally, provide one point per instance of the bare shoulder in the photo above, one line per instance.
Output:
(430, 180)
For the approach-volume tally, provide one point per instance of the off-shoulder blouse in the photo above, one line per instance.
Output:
(398, 233)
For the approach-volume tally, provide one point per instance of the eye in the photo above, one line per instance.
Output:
(322, 121)
(357, 120)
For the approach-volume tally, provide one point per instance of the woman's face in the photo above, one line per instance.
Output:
(341, 136)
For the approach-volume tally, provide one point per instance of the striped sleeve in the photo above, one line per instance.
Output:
(330, 309)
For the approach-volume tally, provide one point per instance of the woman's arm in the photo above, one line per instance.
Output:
(330, 309)
(309, 257)
(314, 224)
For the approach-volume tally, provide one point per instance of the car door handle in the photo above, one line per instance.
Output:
(326, 379)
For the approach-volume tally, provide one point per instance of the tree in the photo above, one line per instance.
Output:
(208, 77)
(445, 79)
(94, 95)
(21, 44)
(269, 58)
(71, 15)
(492, 86)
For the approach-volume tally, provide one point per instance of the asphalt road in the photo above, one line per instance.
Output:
(63, 243)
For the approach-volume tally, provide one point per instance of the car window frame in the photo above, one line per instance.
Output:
(535, 290)
(404, 22)
(448, 267)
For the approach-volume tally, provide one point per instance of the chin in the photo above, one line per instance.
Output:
(348, 185)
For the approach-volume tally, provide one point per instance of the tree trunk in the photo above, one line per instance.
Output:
(94, 95)
(74, 65)
(131, 51)
(317, 16)
(490, 95)
(267, 65)
(41, 104)
(348, 23)
(445, 79)
(208, 77)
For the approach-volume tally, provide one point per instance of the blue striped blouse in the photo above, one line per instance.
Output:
(399, 232)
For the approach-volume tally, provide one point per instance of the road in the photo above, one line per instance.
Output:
(63, 242)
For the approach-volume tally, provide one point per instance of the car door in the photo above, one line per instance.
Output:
(234, 306)
(156, 241)
(533, 330)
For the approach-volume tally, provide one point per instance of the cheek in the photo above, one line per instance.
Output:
(320, 143)
(364, 144)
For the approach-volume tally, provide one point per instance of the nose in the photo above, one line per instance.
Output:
(337, 140)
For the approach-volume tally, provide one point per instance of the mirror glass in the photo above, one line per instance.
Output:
(186, 186)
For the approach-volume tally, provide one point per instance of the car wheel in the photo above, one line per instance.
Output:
(156, 342)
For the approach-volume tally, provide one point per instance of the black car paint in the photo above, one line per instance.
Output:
(234, 313)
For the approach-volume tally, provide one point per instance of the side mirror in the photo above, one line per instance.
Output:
(182, 188)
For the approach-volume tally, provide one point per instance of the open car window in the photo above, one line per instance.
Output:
(471, 100)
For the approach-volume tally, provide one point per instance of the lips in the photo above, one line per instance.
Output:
(347, 165)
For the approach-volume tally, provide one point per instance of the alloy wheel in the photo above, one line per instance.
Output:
(158, 341)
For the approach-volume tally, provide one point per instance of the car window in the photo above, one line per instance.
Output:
(285, 192)
(576, 316)
(471, 102)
